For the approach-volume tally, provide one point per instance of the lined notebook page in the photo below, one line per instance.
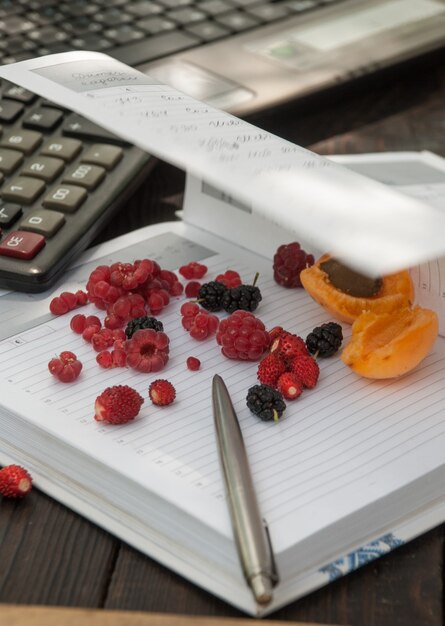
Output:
(338, 447)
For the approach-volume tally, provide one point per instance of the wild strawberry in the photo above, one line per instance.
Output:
(15, 481)
(270, 369)
(117, 405)
(306, 369)
(288, 346)
(161, 392)
(290, 385)
(275, 332)
(66, 367)
(193, 363)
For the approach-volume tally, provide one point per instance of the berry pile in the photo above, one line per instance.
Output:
(288, 261)
(242, 336)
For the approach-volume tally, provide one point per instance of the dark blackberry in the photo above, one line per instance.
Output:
(265, 402)
(244, 297)
(211, 294)
(139, 323)
(325, 340)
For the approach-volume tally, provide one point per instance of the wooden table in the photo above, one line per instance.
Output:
(49, 555)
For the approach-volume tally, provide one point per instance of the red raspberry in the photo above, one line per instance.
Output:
(176, 289)
(102, 340)
(90, 331)
(193, 270)
(161, 392)
(270, 369)
(70, 299)
(193, 363)
(119, 357)
(147, 350)
(66, 367)
(242, 336)
(288, 262)
(192, 289)
(92, 320)
(203, 325)
(289, 346)
(117, 405)
(290, 385)
(189, 310)
(306, 369)
(81, 297)
(77, 323)
(15, 481)
(57, 306)
(230, 279)
(105, 359)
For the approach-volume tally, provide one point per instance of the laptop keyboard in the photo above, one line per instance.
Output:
(132, 31)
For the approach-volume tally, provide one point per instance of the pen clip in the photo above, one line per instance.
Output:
(274, 576)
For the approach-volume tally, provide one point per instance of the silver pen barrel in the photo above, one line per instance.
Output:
(249, 529)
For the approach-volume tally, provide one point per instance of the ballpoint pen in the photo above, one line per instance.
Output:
(250, 531)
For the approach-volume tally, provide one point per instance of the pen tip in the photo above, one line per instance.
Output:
(262, 589)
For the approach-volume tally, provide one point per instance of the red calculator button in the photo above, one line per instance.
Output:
(21, 244)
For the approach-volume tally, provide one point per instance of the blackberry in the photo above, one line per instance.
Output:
(211, 294)
(325, 340)
(265, 402)
(139, 323)
(244, 298)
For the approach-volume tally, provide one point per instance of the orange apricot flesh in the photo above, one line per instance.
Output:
(396, 292)
(388, 345)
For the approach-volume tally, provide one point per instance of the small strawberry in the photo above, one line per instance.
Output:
(15, 482)
(161, 392)
(290, 386)
(275, 332)
(270, 369)
(117, 405)
(289, 346)
(306, 369)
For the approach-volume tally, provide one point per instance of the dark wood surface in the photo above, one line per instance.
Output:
(49, 555)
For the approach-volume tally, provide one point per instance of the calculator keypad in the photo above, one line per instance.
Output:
(61, 177)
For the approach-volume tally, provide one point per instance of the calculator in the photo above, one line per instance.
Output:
(61, 179)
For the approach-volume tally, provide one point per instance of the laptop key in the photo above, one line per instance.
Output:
(207, 31)
(155, 47)
(268, 12)
(237, 21)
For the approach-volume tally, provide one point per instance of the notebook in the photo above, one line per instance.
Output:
(239, 55)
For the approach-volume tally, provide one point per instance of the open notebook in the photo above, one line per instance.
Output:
(354, 468)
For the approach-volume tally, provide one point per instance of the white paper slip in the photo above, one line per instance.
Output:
(368, 225)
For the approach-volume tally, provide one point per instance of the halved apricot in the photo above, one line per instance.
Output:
(396, 291)
(386, 345)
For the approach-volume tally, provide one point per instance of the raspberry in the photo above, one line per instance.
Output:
(77, 323)
(81, 297)
(193, 363)
(92, 320)
(290, 386)
(142, 322)
(230, 279)
(265, 402)
(306, 369)
(242, 336)
(147, 350)
(57, 306)
(202, 325)
(288, 346)
(102, 340)
(192, 289)
(270, 369)
(161, 392)
(15, 481)
(210, 295)
(70, 299)
(117, 405)
(289, 260)
(105, 359)
(90, 331)
(325, 340)
(66, 367)
(115, 358)
(193, 270)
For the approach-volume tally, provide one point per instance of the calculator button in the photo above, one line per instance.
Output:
(43, 119)
(77, 126)
(9, 213)
(22, 190)
(65, 198)
(10, 110)
(24, 140)
(21, 244)
(86, 175)
(46, 168)
(103, 154)
(19, 93)
(44, 222)
(66, 149)
(10, 160)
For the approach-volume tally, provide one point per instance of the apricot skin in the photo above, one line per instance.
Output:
(397, 292)
(389, 345)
